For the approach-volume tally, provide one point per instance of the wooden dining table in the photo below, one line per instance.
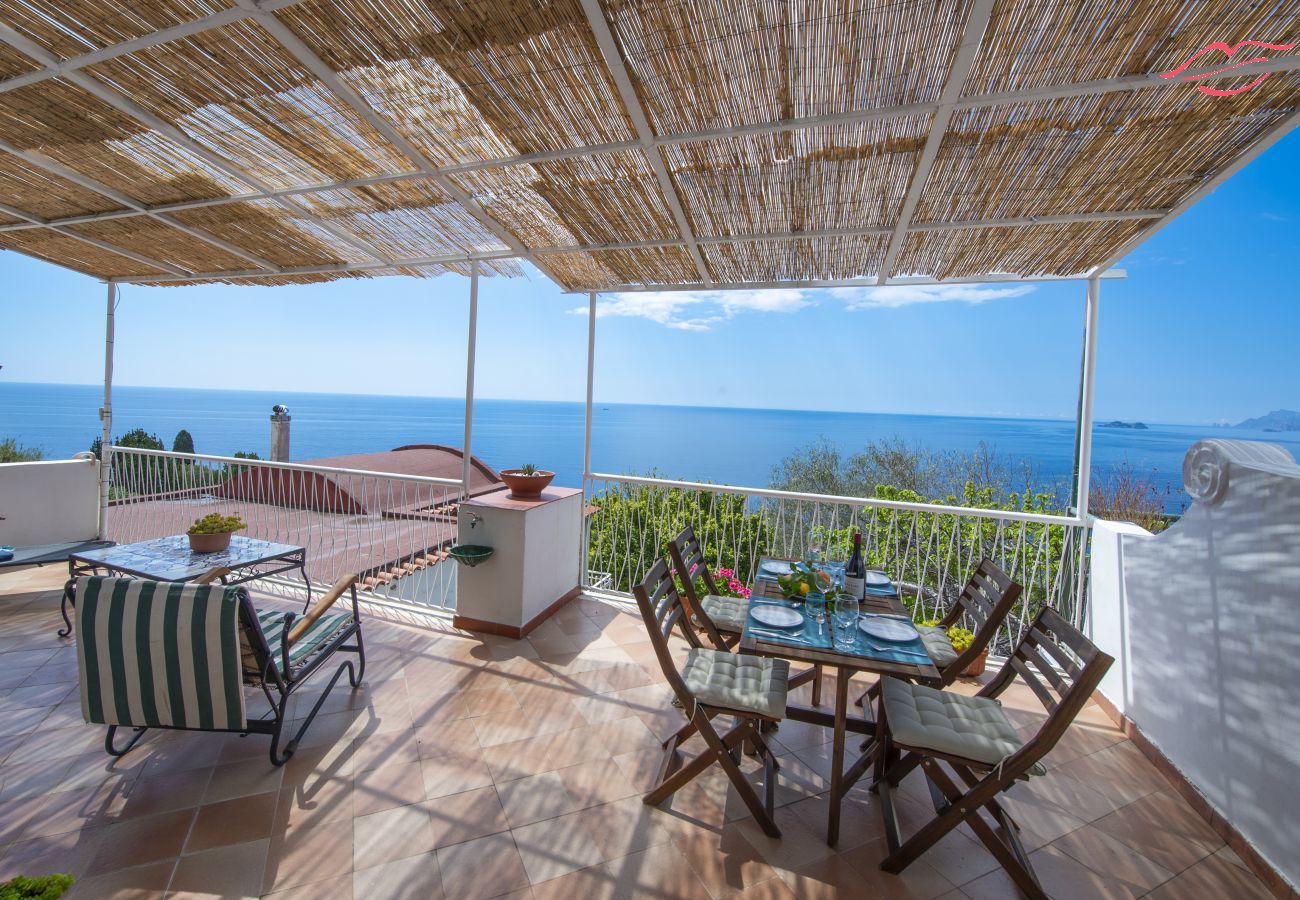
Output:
(813, 645)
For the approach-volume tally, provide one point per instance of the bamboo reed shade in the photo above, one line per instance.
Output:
(409, 137)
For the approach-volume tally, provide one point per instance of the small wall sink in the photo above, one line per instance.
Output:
(470, 554)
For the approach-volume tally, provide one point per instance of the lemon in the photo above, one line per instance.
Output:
(803, 589)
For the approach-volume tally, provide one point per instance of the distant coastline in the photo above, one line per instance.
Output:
(1277, 421)
(1138, 426)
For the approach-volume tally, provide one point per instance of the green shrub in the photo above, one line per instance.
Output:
(42, 887)
(183, 442)
(11, 451)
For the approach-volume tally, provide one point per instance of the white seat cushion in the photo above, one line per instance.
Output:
(752, 684)
(727, 613)
(973, 728)
(936, 641)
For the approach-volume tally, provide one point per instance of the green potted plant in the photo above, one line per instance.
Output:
(526, 482)
(41, 887)
(211, 533)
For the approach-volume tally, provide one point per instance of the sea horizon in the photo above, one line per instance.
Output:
(728, 445)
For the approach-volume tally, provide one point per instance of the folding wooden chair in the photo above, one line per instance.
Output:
(984, 603)
(158, 654)
(721, 619)
(973, 737)
(750, 689)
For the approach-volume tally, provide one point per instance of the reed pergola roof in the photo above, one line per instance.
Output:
(619, 144)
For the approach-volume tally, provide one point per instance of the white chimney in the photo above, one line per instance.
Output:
(279, 433)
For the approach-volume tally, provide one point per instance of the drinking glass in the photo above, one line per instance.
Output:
(815, 604)
(832, 578)
(844, 622)
(815, 553)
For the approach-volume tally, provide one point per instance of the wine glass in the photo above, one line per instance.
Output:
(844, 622)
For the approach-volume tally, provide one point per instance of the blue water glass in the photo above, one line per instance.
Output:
(844, 622)
(815, 604)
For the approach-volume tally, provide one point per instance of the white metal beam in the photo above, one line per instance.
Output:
(471, 350)
(609, 49)
(332, 269)
(907, 280)
(128, 106)
(1251, 153)
(93, 242)
(962, 62)
(163, 36)
(106, 413)
(1087, 391)
(347, 94)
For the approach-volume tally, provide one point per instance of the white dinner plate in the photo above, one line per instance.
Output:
(878, 579)
(776, 567)
(776, 616)
(887, 629)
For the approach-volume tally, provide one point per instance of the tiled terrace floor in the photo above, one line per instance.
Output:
(471, 768)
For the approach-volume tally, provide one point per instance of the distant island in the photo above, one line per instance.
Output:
(1118, 424)
(1277, 420)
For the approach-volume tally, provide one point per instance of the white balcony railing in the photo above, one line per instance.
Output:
(392, 531)
(928, 549)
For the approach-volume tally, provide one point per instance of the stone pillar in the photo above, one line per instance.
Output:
(279, 433)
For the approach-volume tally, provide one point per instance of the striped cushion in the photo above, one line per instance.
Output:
(158, 653)
(320, 633)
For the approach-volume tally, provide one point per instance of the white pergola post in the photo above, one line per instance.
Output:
(1086, 396)
(586, 439)
(106, 415)
(471, 347)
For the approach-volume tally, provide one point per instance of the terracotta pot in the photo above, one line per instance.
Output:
(210, 543)
(976, 668)
(526, 487)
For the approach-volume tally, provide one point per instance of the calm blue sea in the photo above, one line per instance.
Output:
(736, 446)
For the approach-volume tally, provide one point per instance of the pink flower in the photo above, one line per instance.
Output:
(744, 592)
(735, 585)
(726, 573)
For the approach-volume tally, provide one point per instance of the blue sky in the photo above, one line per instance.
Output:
(1203, 329)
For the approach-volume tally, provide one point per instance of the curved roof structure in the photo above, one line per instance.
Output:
(621, 143)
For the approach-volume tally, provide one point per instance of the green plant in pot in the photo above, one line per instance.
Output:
(526, 482)
(211, 533)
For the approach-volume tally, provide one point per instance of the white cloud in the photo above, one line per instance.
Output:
(909, 294)
(701, 310)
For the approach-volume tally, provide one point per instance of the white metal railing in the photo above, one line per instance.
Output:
(392, 531)
(928, 549)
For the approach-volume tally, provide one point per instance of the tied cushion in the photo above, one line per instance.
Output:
(937, 643)
(727, 613)
(753, 684)
(974, 728)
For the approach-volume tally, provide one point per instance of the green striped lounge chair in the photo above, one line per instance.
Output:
(158, 654)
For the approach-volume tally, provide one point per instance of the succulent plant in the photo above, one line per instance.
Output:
(216, 523)
(527, 469)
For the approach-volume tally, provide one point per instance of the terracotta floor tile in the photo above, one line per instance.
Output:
(69, 852)
(555, 847)
(724, 861)
(454, 773)
(376, 751)
(1061, 876)
(481, 868)
(537, 797)
(135, 842)
(391, 834)
(1120, 772)
(412, 878)
(462, 817)
(233, 871)
(544, 753)
(1102, 853)
(378, 789)
(147, 882)
(337, 888)
(660, 872)
(1163, 828)
(240, 779)
(235, 821)
(596, 782)
(1214, 876)
(593, 883)
(625, 826)
(316, 800)
(304, 855)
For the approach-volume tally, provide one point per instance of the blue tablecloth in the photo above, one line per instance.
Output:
(816, 637)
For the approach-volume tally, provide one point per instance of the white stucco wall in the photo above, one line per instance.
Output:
(1204, 624)
(49, 502)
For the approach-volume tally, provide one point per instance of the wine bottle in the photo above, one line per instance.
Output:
(855, 572)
